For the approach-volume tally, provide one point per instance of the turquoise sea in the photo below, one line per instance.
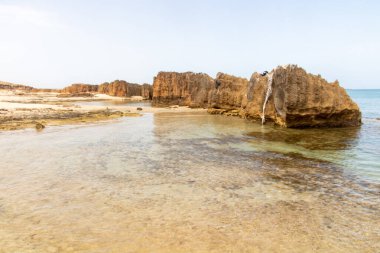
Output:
(367, 148)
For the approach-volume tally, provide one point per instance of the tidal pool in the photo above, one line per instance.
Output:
(187, 182)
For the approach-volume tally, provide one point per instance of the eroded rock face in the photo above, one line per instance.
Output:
(80, 88)
(12, 86)
(118, 88)
(147, 91)
(188, 89)
(287, 96)
(228, 92)
(299, 99)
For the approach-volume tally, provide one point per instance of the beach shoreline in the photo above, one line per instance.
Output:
(38, 110)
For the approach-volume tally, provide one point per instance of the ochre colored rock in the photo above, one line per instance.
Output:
(299, 99)
(147, 91)
(228, 92)
(118, 88)
(80, 88)
(23, 88)
(12, 86)
(124, 89)
(287, 96)
(185, 89)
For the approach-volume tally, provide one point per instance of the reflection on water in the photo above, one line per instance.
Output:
(354, 148)
(313, 139)
(183, 183)
(113, 103)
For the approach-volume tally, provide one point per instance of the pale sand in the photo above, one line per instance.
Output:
(24, 110)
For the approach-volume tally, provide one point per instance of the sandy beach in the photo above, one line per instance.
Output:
(19, 110)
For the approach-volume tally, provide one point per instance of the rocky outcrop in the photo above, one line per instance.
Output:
(291, 97)
(78, 88)
(287, 96)
(188, 89)
(124, 89)
(12, 86)
(23, 88)
(147, 91)
(228, 92)
(118, 88)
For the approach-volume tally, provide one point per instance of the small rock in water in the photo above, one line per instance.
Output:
(39, 126)
(139, 109)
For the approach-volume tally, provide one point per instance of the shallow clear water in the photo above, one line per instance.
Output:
(189, 182)
(114, 103)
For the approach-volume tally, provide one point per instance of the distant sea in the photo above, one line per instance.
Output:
(367, 157)
(368, 101)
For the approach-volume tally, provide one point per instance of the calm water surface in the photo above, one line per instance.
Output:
(115, 103)
(194, 182)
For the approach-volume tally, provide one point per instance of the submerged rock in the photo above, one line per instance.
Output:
(185, 89)
(39, 126)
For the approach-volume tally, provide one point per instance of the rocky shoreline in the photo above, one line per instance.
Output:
(287, 96)
(39, 118)
(20, 110)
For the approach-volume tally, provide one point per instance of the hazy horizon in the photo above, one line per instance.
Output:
(51, 44)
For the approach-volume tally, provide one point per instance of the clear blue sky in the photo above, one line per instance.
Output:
(56, 43)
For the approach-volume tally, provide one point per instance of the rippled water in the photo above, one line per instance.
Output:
(175, 182)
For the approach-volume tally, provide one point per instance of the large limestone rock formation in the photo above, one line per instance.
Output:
(190, 89)
(78, 88)
(287, 96)
(147, 91)
(118, 88)
(227, 94)
(291, 97)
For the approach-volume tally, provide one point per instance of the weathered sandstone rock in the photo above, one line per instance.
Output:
(287, 96)
(228, 92)
(80, 88)
(12, 86)
(118, 88)
(147, 91)
(296, 98)
(187, 89)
